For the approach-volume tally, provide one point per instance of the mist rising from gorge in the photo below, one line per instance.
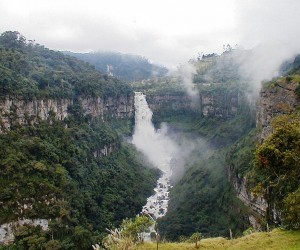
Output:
(156, 145)
(267, 35)
(271, 35)
(166, 149)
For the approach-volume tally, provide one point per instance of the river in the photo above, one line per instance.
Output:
(159, 149)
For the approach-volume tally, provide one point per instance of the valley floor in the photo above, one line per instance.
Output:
(276, 240)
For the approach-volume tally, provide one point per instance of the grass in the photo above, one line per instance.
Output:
(278, 239)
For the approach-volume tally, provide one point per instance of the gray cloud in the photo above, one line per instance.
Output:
(167, 32)
(271, 29)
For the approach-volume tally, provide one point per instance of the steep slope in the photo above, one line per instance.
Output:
(202, 198)
(31, 70)
(267, 180)
(262, 163)
(64, 168)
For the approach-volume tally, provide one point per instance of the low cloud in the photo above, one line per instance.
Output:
(270, 30)
(167, 32)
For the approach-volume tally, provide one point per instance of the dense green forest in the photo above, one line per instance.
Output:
(203, 197)
(203, 200)
(29, 70)
(271, 166)
(166, 85)
(49, 169)
(123, 66)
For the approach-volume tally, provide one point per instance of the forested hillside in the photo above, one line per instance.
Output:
(266, 160)
(30, 70)
(75, 173)
(203, 200)
(261, 163)
(123, 66)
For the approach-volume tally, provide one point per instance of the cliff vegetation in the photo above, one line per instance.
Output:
(267, 159)
(75, 174)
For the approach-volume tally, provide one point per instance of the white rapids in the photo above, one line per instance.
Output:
(157, 204)
(159, 149)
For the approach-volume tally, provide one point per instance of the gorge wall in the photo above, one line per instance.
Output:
(258, 205)
(18, 111)
(15, 112)
(208, 104)
(276, 99)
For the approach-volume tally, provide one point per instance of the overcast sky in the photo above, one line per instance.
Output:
(168, 32)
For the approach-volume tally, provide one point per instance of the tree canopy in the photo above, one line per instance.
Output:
(28, 70)
(278, 162)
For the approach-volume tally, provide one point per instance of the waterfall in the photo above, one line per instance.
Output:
(159, 149)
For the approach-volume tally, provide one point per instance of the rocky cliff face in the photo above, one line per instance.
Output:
(19, 111)
(172, 102)
(7, 229)
(106, 150)
(219, 106)
(274, 101)
(207, 104)
(257, 204)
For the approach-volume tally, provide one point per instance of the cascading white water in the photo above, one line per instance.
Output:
(159, 149)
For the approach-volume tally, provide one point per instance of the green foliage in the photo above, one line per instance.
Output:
(133, 228)
(277, 239)
(159, 86)
(218, 68)
(277, 160)
(223, 132)
(297, 91)
(124, 127)
(290, 67)
(248, 231)
(203, 201)
(49, 171)
(195, 237)
(29, 237)
(29, 70)
(54, 169)
(241, 156)
(291, 209)
(129, 234)
(12, 39)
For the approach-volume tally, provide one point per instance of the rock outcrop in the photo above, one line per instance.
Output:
(171, 102)
(221, 106)
(275, 101)
(7, 229)
(18, 111)
(258, 204)
(207, 104)
(106, 150)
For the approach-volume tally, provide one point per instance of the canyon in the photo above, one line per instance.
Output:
(14, 111)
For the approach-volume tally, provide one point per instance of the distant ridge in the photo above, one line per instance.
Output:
(126, 67)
